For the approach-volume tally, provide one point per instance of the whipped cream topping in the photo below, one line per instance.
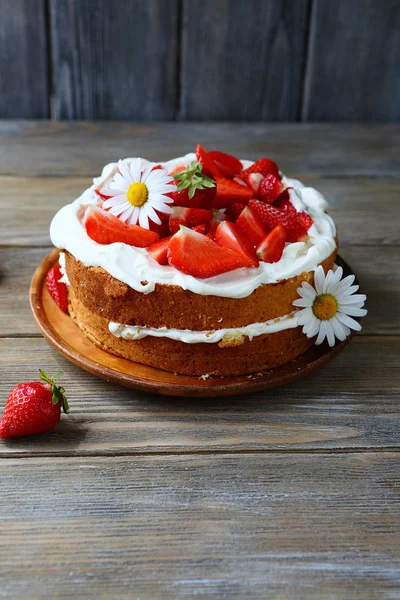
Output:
(135, 267)
(133, 332)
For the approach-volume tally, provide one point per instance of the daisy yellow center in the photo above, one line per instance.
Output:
(137, 194)
(325, 307)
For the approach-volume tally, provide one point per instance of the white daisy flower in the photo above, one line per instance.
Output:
(328, 309)
(136, 195)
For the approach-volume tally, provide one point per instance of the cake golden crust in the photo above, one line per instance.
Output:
(262, 353)
(173, 307)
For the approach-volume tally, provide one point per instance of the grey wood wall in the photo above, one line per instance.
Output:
(279, 60)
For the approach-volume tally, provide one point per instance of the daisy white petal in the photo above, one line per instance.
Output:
(314, 327)
(152, 215)
(143, 218)
(353, 311)
(330, 334)
(135, 169)
(321, 334)
(125, 216)
(147, 172)
(354, 299)
(133, 219)
(303, 316)
(107, 191)
(345, 284)
(165, 199)
(348, 292)
(341, 331)
(125, 172)
(319, 278)
(328, 281)
(303, 302)
(164, 208)
(306, 290)
(346, 320)
(118, 209)
(113, 201)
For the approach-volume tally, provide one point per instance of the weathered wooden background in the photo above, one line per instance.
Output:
(262, 60)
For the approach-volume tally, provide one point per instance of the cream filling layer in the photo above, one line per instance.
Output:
(132, 332)
(135, 266)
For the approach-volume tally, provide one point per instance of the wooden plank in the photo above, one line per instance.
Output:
(114, 60)
(23, 60)
(242, 60)
(28, 205)
(353, 64)
(376, 268)
(82, 149)
(250, 526)
(354, 402)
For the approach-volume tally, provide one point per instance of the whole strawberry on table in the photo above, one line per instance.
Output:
(33, 407)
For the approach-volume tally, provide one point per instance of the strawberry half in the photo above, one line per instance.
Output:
(263, 166)
(229, 165)
(229, 235)
(194, 189)
(104, 228)
(229, 192)
(56, 288)
(159, 250)
(207, 162)
(271, 188)
(233, 210)
(270, 249)
(271, 217)
(190, 217)
(252, 225)
(195, 254)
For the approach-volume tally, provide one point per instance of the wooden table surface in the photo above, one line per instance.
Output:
(288, 493)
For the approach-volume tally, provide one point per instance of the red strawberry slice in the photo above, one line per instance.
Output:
(271, 217)
(159, 250)
(195, 254)
(270, 249)
(252, 225)
(229, 165)
(254, 180)
(200, 228)
(191, 217)
(218, 217)
(229, 192)
(57, 289)
(305, 220)
(234, 210)
(270, 188)
(229, 235)
(263, 166)
(103, 228)
(207, 162)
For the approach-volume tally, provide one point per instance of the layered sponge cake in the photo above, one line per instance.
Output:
(193, 265)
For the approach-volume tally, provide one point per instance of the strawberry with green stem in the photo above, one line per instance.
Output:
(194, 189)
(33, 407)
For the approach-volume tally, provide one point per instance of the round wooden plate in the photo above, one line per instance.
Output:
(62, 333)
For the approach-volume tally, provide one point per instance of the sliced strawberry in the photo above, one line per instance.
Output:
(271, 217)
(207, 162)
(159, 250)
(252, 225)
(234, 210)
(229, 192)
(57, 289)
(195, 254)
(177, 169)
(263, 166)
(200, 228)
(229, 235)
(191, 217)
(305, 220)
(270, 188)
(229, 165)
(102, 227)
(254, 180)
(218, 217)
(284, 204)
(270, 249)
(194, 189)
